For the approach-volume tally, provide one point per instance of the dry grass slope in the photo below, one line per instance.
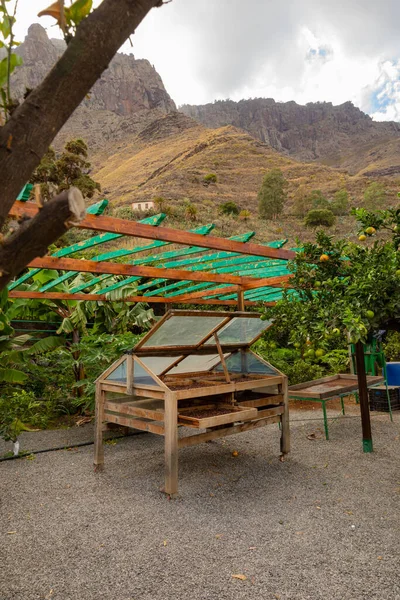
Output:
(172, 155)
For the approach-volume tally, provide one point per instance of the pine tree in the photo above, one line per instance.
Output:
(272, 194)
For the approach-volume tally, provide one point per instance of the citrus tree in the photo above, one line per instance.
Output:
(345, 288)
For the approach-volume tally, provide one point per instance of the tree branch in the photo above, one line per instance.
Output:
(35, 235)
(33, 126)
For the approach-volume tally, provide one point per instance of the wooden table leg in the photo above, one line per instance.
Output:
(171, 445)
(285, 431)
(98, 429)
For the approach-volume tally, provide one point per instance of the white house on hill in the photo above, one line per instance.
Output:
(142, 205)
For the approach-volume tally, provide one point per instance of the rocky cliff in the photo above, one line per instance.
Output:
(126, 87)
(317, 131)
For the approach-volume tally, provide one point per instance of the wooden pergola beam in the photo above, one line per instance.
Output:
(102, 297)
(280, 282)
(90, 266)
(140, 230)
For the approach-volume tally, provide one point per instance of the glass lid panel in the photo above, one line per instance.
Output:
(119, 374)
(193, 363)
(240, 330)
(182, 331)
(158, 364)
(246, 363)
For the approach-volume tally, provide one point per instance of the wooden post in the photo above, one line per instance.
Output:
(285, 431)
(240, 300)
(98, 429)
(171, 444)
(129, 373)
(363, 395)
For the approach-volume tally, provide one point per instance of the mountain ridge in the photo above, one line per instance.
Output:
(315, 131)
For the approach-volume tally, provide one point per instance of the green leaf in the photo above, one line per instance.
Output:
(15, 61)
(12, 376)
(47, 344)
(3, 71)
(79, 10)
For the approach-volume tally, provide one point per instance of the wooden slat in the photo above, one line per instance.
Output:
(270, 412)
(283, 281)
(91, 266)
(192, 440)
(236, 414)
(148, 392)
(134, 423)
(103, 297)
(257, 383)
(131, 409)
(109, 387)
(264, 401)
(165, 234)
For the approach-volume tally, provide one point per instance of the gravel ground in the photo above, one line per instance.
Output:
(324, 524)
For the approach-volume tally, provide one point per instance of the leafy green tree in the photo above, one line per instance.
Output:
(301, 202)
(340, 202)
(229, 208)
(272, 194)
(318, 217)
(344, 289)
(374, 196)
(71, 168)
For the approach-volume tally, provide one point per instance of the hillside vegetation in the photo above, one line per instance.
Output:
(184, 163)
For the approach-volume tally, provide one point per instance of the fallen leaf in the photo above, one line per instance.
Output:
(49, 595)
(11, 532)
(219, 535)
(380, 557)
(240, 576)
(165, 542)
(318, 507)
(83, 421)
(252, 547)
(299, 532)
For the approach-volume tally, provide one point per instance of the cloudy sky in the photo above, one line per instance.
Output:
(302, 50)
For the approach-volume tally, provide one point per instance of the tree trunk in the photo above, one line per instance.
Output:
(25, 138)
(34, 236)
(363, 395)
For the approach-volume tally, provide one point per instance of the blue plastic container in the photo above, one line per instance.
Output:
(393, 373)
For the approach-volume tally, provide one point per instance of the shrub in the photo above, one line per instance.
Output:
(319, 217)
(229, 208)
(210, 178)
(19, 413)
(244, 215)
(191, 211)
(392, 345)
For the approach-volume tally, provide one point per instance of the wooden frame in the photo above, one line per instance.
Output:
(349, 383)
(249, 400)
